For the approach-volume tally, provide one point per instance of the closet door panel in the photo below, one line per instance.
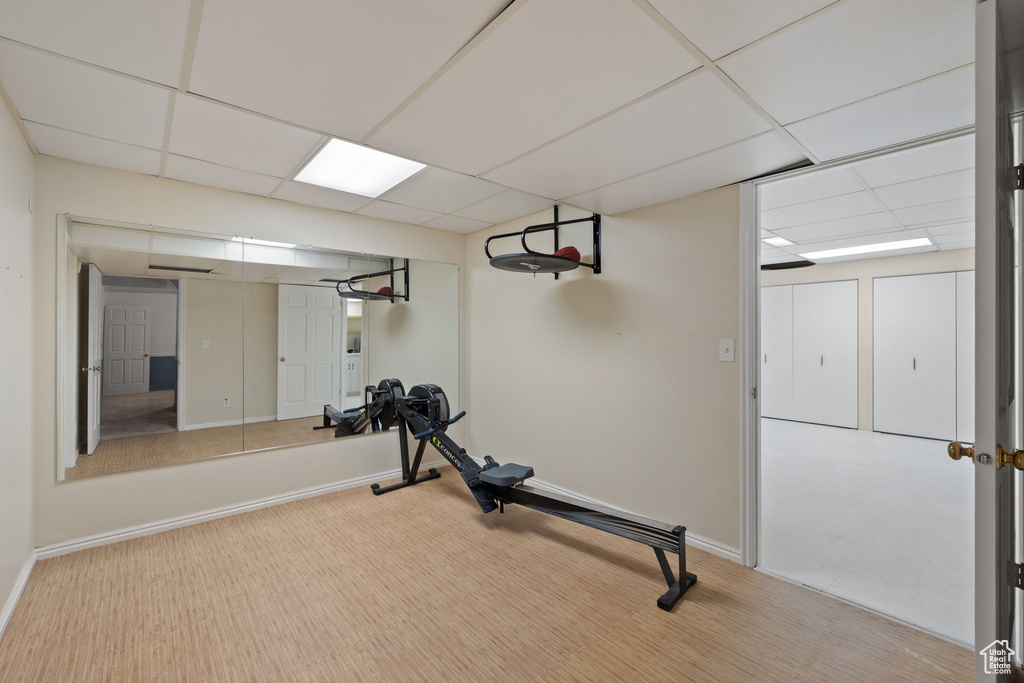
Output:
(808, 326)
(893, 373)
(965, 356)
(777, 352)
(839, 348)
(934, 398)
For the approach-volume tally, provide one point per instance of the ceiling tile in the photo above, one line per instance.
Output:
(340, 67)
(952, 228)
(951, 246)
(808, 187)
(144, 39)
(78, 147)
(717, 28)
(933, 213)
(398, 212)
(821, 210)
(774, 255)
(955, 185)
(956, 238)
(213, 132)
(852, 51)
(747, 159)
(844, 227)
(113, 261)
(304, 193)
(505, 207)
(456, 224)
(919, 162)
(545, 70)
(641, 137)
(442, 191)
(51, 90)
(933, 106)
(215, 175)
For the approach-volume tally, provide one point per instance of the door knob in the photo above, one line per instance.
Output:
(282, 359)
(1003, 458)
(957, 450)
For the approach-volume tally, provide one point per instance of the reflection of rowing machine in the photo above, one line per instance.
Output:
(425, 412)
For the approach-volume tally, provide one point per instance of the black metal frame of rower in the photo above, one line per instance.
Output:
(423, 417)
(554, 227)
(364, 295)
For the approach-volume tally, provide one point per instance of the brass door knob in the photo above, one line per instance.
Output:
(1016, 458)
(957, 450)
(282, 359)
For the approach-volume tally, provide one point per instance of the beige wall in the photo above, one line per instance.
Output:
(17, 350)
(864, 271)
(610, 385)
(100, 504)
(418, 341)
(260, 380)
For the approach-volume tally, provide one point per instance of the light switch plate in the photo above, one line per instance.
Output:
(727, 350)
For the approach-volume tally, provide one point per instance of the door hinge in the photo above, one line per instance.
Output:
(753, 393)
(1018, 177)
(1017, 575)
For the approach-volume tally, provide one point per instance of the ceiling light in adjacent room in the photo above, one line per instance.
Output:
(777, 241)
(348, 167)
(869, 248)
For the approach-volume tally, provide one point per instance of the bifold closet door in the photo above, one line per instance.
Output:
(777, 352)
(839, 351)
(934, 359)
(965, 356)
(808, 353)
(893, 381)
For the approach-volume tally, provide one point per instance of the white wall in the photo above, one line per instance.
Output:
(864, 271)
(100, 504)
(17, 350)
(163, 335)
(610, 384)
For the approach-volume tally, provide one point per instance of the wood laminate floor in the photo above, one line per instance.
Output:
(419, 585)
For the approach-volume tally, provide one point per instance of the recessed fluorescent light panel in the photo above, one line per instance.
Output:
(263, 243)
(869, 248)
(777, 241)
(353, 168)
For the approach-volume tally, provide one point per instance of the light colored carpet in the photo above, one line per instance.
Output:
(126, 415)
(419, 585)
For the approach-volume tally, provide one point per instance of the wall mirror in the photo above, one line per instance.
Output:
(178, 346)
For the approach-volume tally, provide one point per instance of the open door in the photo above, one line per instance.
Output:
(996, 298)
(94, 369)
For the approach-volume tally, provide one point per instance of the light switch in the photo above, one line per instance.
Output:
(206, 343)
(727, 350)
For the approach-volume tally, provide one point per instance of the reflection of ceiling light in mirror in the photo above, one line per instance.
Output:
(869, 248)
(263, 243)
(353, 168)
(777, 241)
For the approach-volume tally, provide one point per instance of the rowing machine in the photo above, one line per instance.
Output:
(425, 412)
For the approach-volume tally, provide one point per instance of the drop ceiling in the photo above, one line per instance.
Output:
(922, 192)
(607, 105)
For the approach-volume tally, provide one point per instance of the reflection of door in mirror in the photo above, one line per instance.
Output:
(309, 351)
(126, 342)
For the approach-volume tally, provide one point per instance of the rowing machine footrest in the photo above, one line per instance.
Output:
(508, 474)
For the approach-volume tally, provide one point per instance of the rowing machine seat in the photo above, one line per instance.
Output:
(508, 474)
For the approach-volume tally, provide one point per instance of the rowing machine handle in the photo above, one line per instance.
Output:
(423, 435)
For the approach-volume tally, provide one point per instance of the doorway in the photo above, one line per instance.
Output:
(863, 294)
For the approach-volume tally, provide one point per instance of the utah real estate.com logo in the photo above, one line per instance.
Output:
(998, 657)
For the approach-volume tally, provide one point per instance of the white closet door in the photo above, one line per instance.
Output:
(965, 356)
(893, 372)
(777, 352)
(808, 353)
(934, 359)
(839, 348)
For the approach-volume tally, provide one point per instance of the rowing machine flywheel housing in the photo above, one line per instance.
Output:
(433, 404)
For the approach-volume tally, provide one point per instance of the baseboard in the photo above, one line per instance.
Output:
(77, 544)
(692, 540)
(19, 586)
(229, 423)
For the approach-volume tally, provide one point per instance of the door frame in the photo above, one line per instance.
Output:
(749, 345)
(179, 353)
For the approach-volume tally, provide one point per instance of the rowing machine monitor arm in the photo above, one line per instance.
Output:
(425, 411)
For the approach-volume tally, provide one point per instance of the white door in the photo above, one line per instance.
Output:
(893, 371)
(996, 410)
(310, 347)
(839, 349)
(94, 371)
(126, 349)
(808, 353)
(934, 359)
(965, 356)
(777, 352)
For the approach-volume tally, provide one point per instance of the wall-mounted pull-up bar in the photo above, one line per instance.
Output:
(386, 293)
(563, 259)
